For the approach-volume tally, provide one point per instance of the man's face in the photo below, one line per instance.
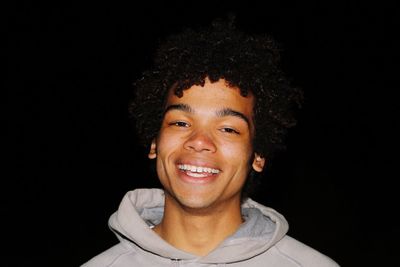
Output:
(204, 147)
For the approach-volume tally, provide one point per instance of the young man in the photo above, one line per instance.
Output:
(212, 111)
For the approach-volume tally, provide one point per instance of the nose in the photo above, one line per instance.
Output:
(200, 141)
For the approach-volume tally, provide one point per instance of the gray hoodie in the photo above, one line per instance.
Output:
(260, 241)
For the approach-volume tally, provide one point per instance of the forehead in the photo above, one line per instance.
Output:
(214, 96)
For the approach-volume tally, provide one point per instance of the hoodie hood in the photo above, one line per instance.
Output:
(142, 209)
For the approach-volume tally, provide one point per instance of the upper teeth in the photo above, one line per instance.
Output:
(192, 168)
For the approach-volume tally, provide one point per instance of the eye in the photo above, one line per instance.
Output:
(229, 130)
(179, 124)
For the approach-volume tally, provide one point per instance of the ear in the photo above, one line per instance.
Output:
(153, 150)
(258, 163)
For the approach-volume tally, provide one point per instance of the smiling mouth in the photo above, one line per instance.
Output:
(197, 171)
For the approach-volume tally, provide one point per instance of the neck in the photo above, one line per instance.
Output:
(198, 231)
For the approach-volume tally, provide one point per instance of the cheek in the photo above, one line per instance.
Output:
(166, 144)
(240, 153)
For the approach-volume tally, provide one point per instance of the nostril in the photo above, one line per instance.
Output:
(200, 142)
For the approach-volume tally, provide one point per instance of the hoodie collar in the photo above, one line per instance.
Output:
(141, 209)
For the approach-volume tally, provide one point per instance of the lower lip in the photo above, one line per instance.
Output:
(196, 180)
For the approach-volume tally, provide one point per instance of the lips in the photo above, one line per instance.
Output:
(198, 172)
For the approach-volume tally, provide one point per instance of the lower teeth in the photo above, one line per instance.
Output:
(195, 174)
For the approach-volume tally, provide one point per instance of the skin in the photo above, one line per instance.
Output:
(210, 127)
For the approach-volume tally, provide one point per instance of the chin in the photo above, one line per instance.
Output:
(194, 202)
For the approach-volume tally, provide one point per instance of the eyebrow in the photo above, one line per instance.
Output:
(220, 113)
(181, 107)
(230, 112)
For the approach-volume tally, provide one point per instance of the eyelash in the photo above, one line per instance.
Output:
(185, 124)
(179, 124)
(230, 130)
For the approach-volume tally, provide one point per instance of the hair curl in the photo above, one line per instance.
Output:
(220, 51)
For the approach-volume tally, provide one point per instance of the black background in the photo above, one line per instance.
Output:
(74, 153)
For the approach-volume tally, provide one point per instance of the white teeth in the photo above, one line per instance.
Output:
(197, 175)
(197, 169)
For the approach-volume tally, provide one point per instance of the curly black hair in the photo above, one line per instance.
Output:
(220, 51)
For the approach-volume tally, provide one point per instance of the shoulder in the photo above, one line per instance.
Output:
(108, 257)
(302, 254)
